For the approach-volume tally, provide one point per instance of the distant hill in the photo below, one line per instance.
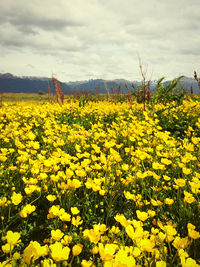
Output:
(13, 84)
(90, 85)
(188, 82)
(99, 84)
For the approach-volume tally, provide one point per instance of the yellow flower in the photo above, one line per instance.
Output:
(170, 232)
(193, 234)
(13, 237)
(179, 182)
(80, 173)
(151, 213)
(180, 243)
(114, 230)
(169, 201)
(136, 252)
(74, 183)
(189, 198)
(122, 259)
(92, 235)
(85, 263)
(28, 209)
(7, 248)
(65, 217)
(95, 250)
(142, 216)
(76, 250)
(77, 221)
(125, 167)
(3, 201)
(16, 198)
(34, 251)
(186, 171)
(16, 256)
(166, 178)
(69, 173)
(189, 262)
(182, 254)
(67, 239)
(56, 234)
(107, 253)
(48, 263)
(156, 202)
(74, 210)
(51, 198)
(161, 236)
(134, 234)
(122, 220)
(58, 253)
(158, 166)
(166, 161)
(161, 264)
(31, 136)
(147, 245)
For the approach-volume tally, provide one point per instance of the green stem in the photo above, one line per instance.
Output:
(36, 198)
(9, 210)
(70, 264)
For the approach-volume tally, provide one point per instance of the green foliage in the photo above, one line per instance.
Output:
(169, 92)
(41, 93)
(177, 121)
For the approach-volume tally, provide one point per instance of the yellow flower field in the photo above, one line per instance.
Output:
(100, 184)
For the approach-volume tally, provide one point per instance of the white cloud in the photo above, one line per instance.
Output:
(81, 39)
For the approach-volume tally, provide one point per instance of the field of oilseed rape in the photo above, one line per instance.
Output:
(102, 184)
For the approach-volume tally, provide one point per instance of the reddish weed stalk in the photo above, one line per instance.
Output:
(59, 91)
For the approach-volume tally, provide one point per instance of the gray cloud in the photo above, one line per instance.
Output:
(100, 37)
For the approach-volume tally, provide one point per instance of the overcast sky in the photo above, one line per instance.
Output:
(89, 39)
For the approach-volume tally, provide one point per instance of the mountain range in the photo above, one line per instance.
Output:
(14, 84)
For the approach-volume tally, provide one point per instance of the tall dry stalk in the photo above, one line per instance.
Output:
(59, 91)
(148, 92)
(108, 93)
(197, 79)
(143, 73)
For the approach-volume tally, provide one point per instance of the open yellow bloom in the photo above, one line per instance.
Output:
(107, 253)
(169, 201)
(170, 232)
(34, 251)
(123, 259)
(85, 263)
(3, 201)
(142, 216)
(146, 245)
(161, 264)
(16, 198)
(51, 198)
(77, 221)
(76, 250)
(179, 182)
(189, 262)
(13, 237)
(7, 248)
(58, 252)
(189, 198)
(56, 234)
(74, 210)
(180, 243)
(28, 209)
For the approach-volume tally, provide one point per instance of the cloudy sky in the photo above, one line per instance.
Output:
(89, 39)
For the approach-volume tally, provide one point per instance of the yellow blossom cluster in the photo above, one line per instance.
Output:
(104, 184)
